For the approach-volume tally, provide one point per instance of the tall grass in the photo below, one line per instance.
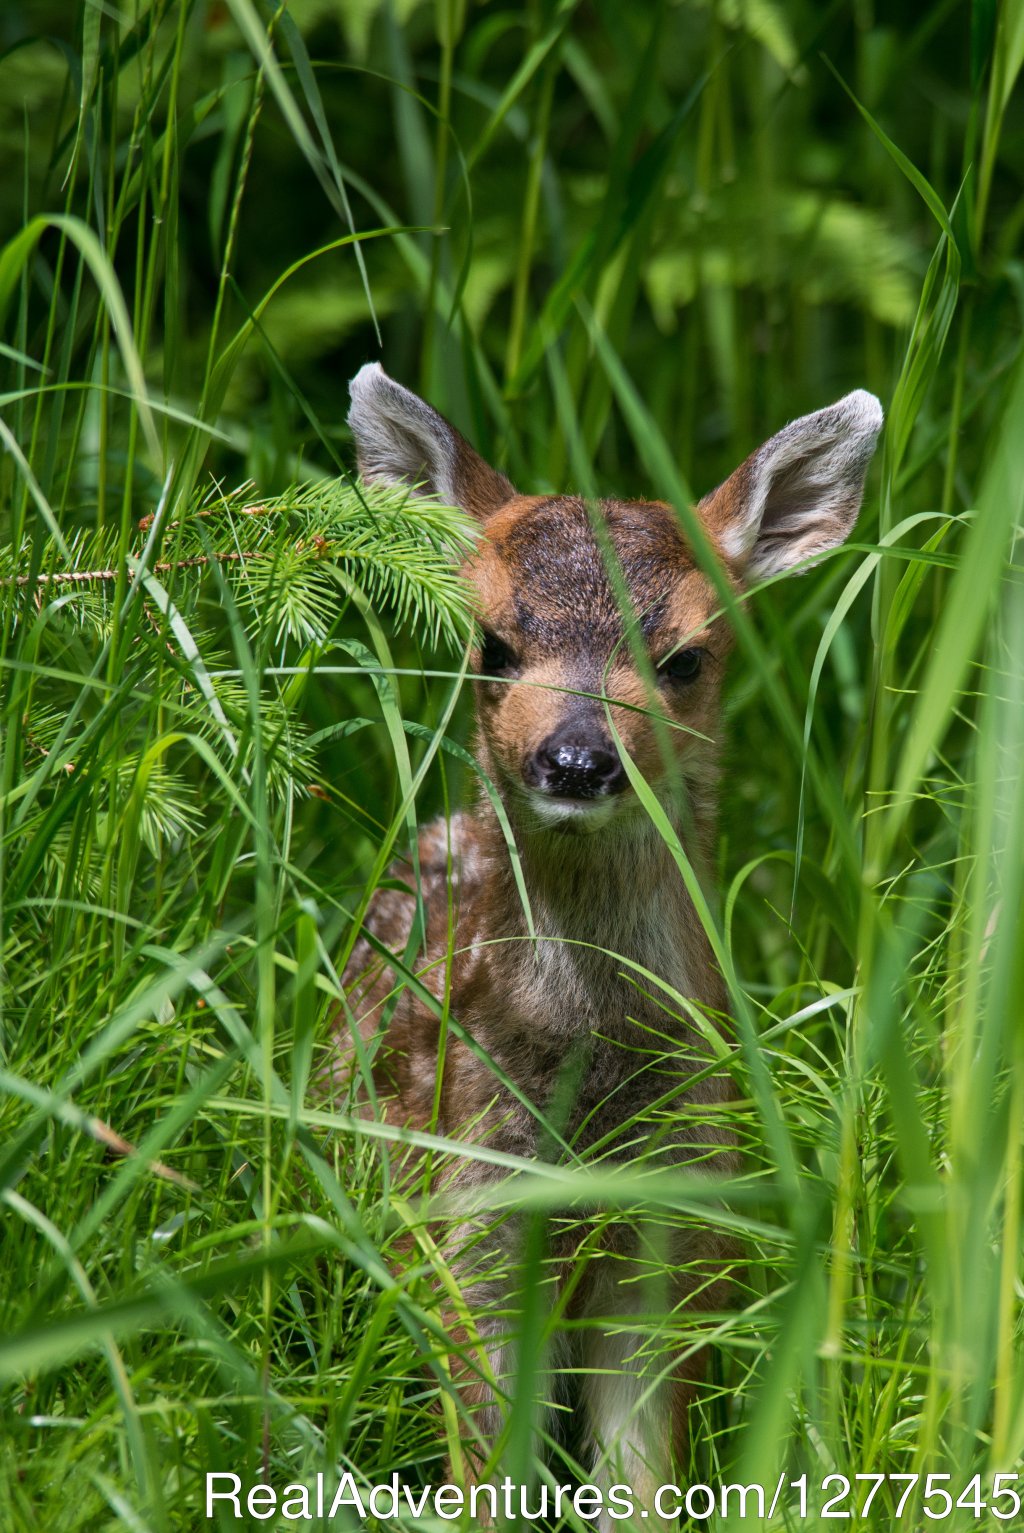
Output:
(619, 245)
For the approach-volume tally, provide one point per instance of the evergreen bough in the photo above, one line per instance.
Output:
(284, 570)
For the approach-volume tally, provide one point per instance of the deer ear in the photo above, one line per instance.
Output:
(798, 494)
(401, 440)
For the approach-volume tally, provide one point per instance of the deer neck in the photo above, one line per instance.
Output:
(600, 897)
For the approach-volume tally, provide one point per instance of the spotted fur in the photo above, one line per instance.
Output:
(587, 605)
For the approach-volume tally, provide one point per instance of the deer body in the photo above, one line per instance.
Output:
(556, 991)
(601, 642)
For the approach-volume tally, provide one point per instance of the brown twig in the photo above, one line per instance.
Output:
(162, 567)
(146, 522)
(118, 1145)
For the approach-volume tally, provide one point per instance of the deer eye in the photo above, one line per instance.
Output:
(495, 656)
(684, 666)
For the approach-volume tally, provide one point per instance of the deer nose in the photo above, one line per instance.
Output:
(568, 767)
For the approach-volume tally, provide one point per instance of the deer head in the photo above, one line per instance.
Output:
(594, 617)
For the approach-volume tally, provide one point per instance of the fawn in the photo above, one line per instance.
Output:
(562, 1025)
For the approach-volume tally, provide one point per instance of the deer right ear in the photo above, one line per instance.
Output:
(798, 494)
(401, 440)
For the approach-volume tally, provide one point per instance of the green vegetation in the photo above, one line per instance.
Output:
(619, 245)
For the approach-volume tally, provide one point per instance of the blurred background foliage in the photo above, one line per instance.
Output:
(691, 173)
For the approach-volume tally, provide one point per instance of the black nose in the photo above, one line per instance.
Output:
(568, 765)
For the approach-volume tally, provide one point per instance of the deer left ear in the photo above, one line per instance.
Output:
(798, 494)
(403, 440)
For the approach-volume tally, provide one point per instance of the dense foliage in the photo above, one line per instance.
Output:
(618, 245)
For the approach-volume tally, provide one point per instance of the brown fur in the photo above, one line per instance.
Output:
(564, 1019)
(531, 1011)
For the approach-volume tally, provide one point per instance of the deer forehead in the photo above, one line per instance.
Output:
(542, 574)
